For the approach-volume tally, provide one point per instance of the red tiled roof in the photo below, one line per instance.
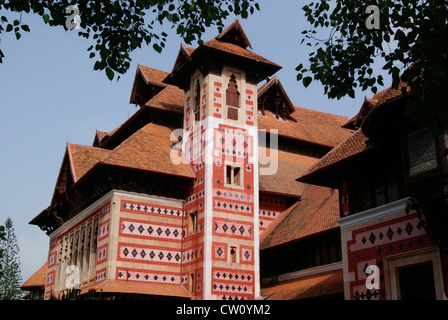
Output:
(283, 181)
(37, 279)
(156, 289)
(152, 76)
(83, 158)
(239, 51)
(315, 213)
(311, 126)
(388, 94)
(148, 149)
(307, 287)
(170, 99)
(353, 145)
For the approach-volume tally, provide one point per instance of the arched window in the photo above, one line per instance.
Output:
(232, 99)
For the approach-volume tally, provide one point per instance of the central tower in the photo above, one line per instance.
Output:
(220, 141)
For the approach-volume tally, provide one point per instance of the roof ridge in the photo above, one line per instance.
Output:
(86, 146)
(323, 112)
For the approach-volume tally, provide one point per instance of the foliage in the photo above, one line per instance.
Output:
(410, 33)
(2, 238)
(120, 27)
(10, 274)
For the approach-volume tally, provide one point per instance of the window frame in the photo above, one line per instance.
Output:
(233, 166)
(392, 265)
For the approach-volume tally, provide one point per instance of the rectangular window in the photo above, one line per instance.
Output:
(233, 176)
(233, 254)
(193, 221)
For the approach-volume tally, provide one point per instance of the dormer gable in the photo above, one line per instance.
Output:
(147, 84)
(272, 96)
(234, 34)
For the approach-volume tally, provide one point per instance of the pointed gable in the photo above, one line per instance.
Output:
(234, 34)
(83, 158)
(272, 96)
(147, 84)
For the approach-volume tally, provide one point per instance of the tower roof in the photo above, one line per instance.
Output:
(229, 47)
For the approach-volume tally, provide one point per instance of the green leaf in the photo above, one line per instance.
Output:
(46, 18)
(97, 65)
(306, 81)
(25, 28)
(109, 73)
(157, 47)
(9, 28)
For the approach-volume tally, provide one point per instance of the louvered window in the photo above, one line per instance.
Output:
(232, 99)
(422, 152)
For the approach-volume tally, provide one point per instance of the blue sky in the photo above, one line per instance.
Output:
(50, 95)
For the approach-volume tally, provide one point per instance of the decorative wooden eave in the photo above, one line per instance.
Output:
(273, 91)
(49, 218)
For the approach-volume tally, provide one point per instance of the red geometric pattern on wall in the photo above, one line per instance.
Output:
(233, 228)
(372, 244)
(104, 210)
(147, 276)
(50, 278)
(204, 101)
(220, 251)
(217, 100)
(51, 260)
(148, 230)
(233, 284)
(102, 254)
(192, 255)
(148, 254)
(150, 209)
(250, 107)
(100, 275)
(246, 254)
(187, 112)
(103, 230)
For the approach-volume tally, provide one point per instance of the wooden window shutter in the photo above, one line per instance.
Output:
(232, 94)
